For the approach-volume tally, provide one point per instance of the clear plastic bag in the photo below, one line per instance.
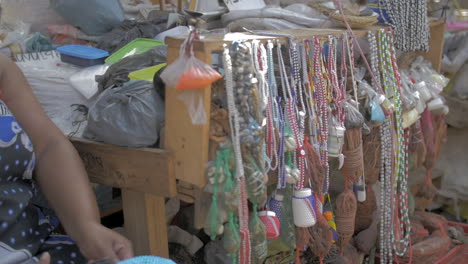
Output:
(354, 118)
(188, 74)
(84, 81)
(422, 70)
(377, 114)
(408, 97)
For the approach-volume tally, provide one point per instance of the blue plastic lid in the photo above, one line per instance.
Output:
(84, 52)
(147, 260)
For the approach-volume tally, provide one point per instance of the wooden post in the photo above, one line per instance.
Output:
(187, 143)
(436, 44)
(145, 223)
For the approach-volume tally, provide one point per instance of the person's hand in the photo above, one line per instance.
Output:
(45, 259)
(98, 242)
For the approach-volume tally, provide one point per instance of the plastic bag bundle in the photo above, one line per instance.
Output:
(422, 70)
(92, 16)
(129, 30)
(346, 207)
(353, 118)
(408, 98)
(130, 115)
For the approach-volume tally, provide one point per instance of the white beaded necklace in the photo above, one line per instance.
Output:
(240, 174)
(385, 166)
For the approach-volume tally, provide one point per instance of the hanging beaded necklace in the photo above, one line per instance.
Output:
(260, 59)
(234, 120)
(292, 171)
(301, 113)
(323, 109)
(410, 22)
(387, 181)
(385, 165)
(392, 81)
(314, 129)
(401, 189)
(272, 110)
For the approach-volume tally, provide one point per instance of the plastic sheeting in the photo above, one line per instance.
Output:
(37, 13)
(117, 74)
(49, 80)
(94, 17)
(130, 115)
(129, 30)
(455, 52)
(289, 18)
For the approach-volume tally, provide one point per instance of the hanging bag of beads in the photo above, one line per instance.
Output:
(188, 72)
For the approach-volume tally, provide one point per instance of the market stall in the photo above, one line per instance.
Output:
(292, 144)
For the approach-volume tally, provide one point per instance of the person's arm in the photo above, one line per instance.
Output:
(59, 171)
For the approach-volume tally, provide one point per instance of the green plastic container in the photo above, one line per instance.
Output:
(146, 74)
(137, 46)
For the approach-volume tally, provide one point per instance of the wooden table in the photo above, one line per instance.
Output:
(146, 177)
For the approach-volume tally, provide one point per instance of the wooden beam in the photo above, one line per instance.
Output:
(215, 42)
(144, 170)
(436, 44)
(145, 223)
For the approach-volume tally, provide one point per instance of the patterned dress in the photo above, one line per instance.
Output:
(25, 232)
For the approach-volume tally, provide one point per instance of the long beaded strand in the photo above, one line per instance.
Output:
(289, 114)
(260, 64)
(244, 256)
(402, 176)
(386, 170)
(323, 109)
(300, 115)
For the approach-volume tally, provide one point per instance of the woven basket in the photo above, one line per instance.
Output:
(353, 21)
